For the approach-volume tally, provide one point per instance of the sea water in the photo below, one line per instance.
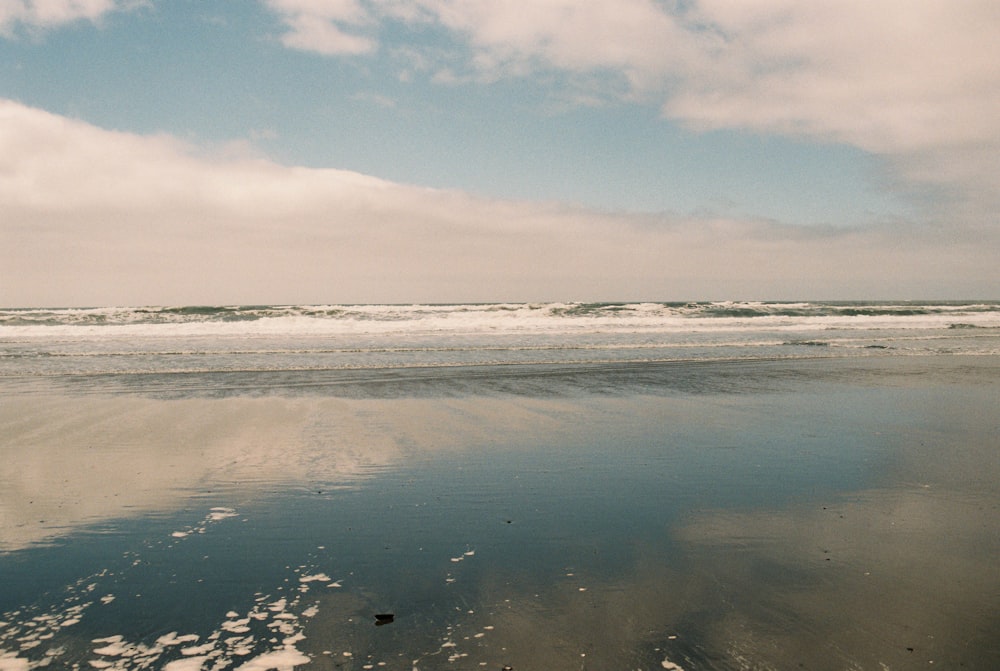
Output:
(559, 486)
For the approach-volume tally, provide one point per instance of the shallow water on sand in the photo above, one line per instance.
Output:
(737, 515)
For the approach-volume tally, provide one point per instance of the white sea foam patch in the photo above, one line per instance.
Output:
(236, 624)
(215, 515)
(197, 649)
(173, 638)
(113, 646)
(266, 636)
(9, 661)
(35, 631)
(242, 639)
(278, 660)
(190, 664)
(220, 514)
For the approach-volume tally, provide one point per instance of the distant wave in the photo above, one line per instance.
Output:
(497, 314)
(76, 343)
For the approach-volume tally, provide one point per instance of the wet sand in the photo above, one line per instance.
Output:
(822, 515)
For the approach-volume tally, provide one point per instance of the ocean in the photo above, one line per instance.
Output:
(681, 486)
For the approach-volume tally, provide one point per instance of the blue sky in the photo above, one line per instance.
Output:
(490, 150)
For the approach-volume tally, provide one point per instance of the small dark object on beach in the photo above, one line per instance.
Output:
(384, 618)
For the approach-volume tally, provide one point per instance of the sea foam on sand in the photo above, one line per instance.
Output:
(278, 660)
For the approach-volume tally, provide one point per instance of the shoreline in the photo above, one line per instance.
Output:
(517, 379)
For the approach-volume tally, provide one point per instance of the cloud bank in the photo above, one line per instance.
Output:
(98, 217)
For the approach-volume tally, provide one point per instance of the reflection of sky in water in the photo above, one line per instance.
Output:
(827, 525)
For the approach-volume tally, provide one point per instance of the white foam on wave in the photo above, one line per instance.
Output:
(331, 320)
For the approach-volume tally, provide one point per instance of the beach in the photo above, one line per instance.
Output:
(181, 503)
(618, 335)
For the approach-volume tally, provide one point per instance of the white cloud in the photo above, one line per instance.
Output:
(40, 14)
(99, 217)
(310, 33)
(916, 82)
(634, 37)
(324, 26)
(887, 76)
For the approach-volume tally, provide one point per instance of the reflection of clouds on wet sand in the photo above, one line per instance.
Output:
(576, 620)
(76, 461)
(886, 579)
(890, 577)
(73, 461)
(897, 577)
(899, 572)
(565, 621)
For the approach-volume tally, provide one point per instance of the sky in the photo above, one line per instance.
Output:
(167, 152)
